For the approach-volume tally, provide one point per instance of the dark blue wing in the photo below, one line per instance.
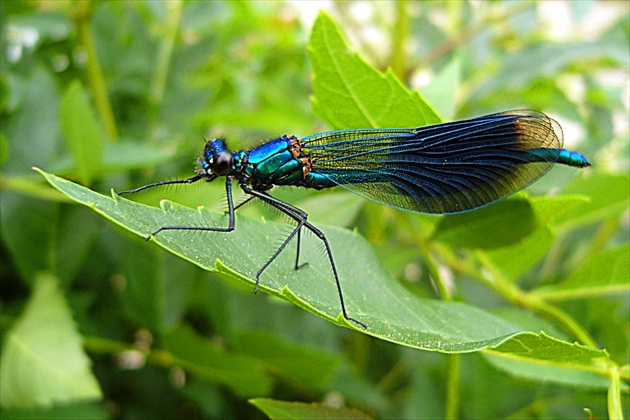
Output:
(444, 168)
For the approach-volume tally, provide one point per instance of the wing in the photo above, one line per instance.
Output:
(444, 168)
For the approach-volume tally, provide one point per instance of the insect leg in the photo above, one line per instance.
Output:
(157, 184)
(286, 209)
(300, 217)
(244, 202)
(229, 228)
(297, 254)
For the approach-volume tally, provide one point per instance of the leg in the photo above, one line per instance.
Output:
(229, 228)
(323, 238)
(287, 208)
(300, 217)
(278, 251)
(244, 202)
(297, 254)
(157, 184)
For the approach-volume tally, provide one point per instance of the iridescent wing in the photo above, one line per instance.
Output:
(444, 168)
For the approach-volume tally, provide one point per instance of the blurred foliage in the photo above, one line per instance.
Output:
(119, 94)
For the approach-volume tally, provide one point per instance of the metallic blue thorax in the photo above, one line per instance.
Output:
(278, 162)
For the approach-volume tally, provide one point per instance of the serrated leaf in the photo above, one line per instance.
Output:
(276, 409)
(607, 272)
(543, 358)
(43, 362)
(83, 134)
(390, 311)
(349, 93)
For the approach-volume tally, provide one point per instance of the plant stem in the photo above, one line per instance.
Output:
(606, 230)
(443, 289)
(565, 320)
(82, 17)
(517, 296)
(615, 408)
(452, 386)
(452, 383)
(469, 32)
(398, 59)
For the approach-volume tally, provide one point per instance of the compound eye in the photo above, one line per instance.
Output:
(223, 162)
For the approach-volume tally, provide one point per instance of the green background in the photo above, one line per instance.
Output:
(529, 296)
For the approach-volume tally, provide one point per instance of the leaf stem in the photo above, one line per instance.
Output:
(82, 15)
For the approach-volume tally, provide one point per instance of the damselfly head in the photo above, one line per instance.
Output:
(216, 160)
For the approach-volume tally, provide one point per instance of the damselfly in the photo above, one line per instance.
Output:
(444, 168)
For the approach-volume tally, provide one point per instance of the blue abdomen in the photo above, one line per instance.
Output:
(562, 156)
(568, 157)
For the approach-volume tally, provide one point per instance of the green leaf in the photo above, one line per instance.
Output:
(296, 410)
(510, 221)
(82, 131)
(339, 209)
(516, 260)
(43, 362)
(33, 133)
(441, 93)
(124, 156)
(26, 187)
(605, 273)
(349, 93)
(390, 311)
(4, 149)
(292, 361)
(544, 358)
(608, 198)
(157, 285)
(26, 225)
(548, 58)
(79, 411)
(209, 360)
(208, 396)
(72, 242)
